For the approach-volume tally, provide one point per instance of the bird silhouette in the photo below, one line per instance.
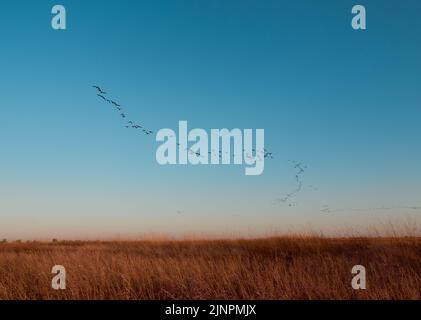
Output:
(99, 90)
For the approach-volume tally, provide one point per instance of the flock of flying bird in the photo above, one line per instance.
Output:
(129, 124)
(301, 169)
(327, 209)
(259, 154)
(265, 153)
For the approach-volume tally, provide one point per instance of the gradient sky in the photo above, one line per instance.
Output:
(345, 103)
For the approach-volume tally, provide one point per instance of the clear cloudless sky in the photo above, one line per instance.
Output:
(345, 103)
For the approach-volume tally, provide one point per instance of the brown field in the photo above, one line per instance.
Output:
(271, 268)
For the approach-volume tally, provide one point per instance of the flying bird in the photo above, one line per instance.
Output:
(101, 96)
(99, 90)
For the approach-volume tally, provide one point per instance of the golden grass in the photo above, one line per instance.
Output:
(271, 268)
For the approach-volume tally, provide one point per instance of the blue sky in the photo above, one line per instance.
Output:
(345, 103)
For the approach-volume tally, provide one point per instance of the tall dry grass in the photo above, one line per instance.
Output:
(271, 268)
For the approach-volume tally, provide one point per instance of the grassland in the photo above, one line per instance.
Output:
(270, 268)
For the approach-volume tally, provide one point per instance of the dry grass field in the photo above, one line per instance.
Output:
(271, 268)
